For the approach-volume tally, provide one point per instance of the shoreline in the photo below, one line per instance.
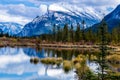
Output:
(60, 46)
(12, 42)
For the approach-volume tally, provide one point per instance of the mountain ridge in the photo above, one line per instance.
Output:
(11, 28)
(112, 19)
(44, 23)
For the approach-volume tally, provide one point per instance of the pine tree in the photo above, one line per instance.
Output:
(89, 35)
(71, 34)
(58, 34)
(65, 33)
(83, 30)
(114, 35)
(54, 32)
(77, 33)
(103, 48)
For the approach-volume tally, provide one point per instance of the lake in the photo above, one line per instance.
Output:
(15, 63)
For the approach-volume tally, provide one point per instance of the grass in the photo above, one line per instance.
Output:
(77, 66)
(79, 59)
(67, 66)
(52, 61)
(113, 58)
(114, 76)
(93, 57)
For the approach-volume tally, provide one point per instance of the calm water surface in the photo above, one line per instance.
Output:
(15, 64)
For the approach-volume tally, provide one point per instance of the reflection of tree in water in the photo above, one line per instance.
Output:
(32, 52)
(70, 58)
(46, 69)
(73, 60)
(36, 61)
(65, 54)
(48, 62)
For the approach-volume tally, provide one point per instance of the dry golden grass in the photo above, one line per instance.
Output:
(67, 66)
(52, 61)
(77, 66)
(113, 57)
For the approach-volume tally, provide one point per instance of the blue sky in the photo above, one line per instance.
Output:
(23, 11)
(14, 2)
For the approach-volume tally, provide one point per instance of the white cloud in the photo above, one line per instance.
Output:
(81, 2)
(57, 7)
(13, 61)
(23, 10)
(23, 14)
(43, 9)
(56, 74)
(102, 6)
(18, 13)
(10, 59)
(5, 17)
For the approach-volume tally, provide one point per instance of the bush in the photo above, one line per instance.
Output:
(34, 60)
(67, 66)
(52, 61)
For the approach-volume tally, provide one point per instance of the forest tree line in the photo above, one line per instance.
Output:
(76, 34)
(82, 34)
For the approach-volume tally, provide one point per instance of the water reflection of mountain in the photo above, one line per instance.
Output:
(28, 51)
(33, 53)
(15, 65)
(10, 51)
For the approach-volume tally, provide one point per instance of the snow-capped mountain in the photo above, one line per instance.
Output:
(59, 15)
(113, 19)
(10, 27)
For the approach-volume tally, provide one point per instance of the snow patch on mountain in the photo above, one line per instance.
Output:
(10, 27)
(60, 14)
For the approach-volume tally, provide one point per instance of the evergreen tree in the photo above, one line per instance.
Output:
(115, 35)
(103, 48)
(77, 33)
(71, 34)
(58, 34)
(66, 37)
(83, 28)
(54, 32)
(89, 35)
